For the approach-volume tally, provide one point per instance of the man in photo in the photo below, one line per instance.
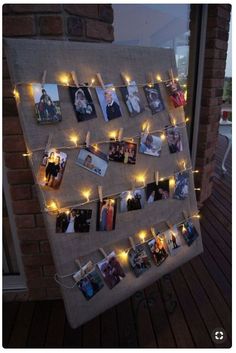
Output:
(112, 108)
(146, 145)
(150, 144)
(157, 192)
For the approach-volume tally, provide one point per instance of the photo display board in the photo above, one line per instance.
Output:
(133, 173)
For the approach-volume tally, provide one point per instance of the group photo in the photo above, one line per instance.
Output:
(123, 152)
(111, 270)
(73, 221)
(132, 200)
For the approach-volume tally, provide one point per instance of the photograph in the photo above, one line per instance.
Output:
(73, 221)
(109, 102)
(123, 152)
(132, 200)
(82, 103)
(93, 160)
(111, 270)
(174, 139)
(181, 185)
(154, 98)
(173, 240)
(106, 214)
(188, 232)
(175, 92)
(52, 168)
(158, 250)
(47, 104)
(139, 260)
(150, 144)
(132, 99)
(156, 192)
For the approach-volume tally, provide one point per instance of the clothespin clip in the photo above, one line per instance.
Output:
(157, 177)
(120, 134)
(78, 263)
(87, 139)
(75, 79)
(100, 80)
(169, 225)
(153, 232)
(172, 119)
(48, 144)
(171, 75)
(44, 78)
(145, 127)
(102, 251)
(125, 78)
(150, 79)
(100, 193)
(132, 243)
(185, 214)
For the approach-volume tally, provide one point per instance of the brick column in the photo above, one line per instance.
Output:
(61, 22)
(212, 92)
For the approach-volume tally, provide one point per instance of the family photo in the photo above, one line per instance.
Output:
(111, 270)
(158, 250)
(132, 200)
(188, 232)
(93, 160)
(82, 103)
(132, 99)
(123, 152)
(173, 240)
(181, 185)
(156, 192)
(139, 260)
(150, 144)
(73, 221)
(109, 102)
(176, 94)
(174, 139)
(90, 284)
(154, 98)
(47, 104)
(106, 216)
(52, 168)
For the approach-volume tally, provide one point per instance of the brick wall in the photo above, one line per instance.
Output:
(212, 92)
(73, 22)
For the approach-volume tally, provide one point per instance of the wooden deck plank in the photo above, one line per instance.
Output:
(91, 333)
(9, 314)
(126, 325)
(55, 333)
(109, 329)
(72, 337)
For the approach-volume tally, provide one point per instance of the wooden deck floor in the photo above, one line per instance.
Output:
(200, 292)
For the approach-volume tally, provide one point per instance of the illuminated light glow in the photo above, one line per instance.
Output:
(92, 81)
(173, 121)
(177, 79)
(195, 171)
(65, 79)
(74, 139)
(161, 179)
(141, 179)
(16, 93)
(183, 228)
(187, 120)
(124, 255)
(86, 194)
(197, 216)
(127, 78)
(67, 212)
(172, 182)
(197, 189)
(26, 154)
(53, 206)
(112, 201)
(145, 126)
(142, 236)
(158, 78)
(129, 196)
(113, 89)
(163, 136)
(150, 85)
(113, 135)
(95, 147)
(184, 164)
(184, 85)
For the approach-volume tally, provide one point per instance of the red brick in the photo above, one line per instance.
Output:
(216, 44)
(217, 22)
(215, 54)
(39, 8)
(210, 73)
(12, 126)
(214, 64)
(89, 11)
(29, 247)
(38, 259)
(53, 293)
(15, 26)
(20, 176)
(20, 192)
(99, 30)
(25, 221)
(106, 13)
(9, 107)
(212, 92)
(214, 82)
(49, 270)
(7, 88)
(217, 11)
(15, 161)
(37, 294)
(218, 33)
(32, 234)
(75, 27)
(42, 282)
(45, 247)
(211, 101)
(33, 272)
(14, 143)
(51, 25)
(40, 220)
(26, 206)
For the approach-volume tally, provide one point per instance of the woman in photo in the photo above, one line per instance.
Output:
(174, 141)
(88, 162)
(110, 216)
(103, 216)
(132, 157)
(151, 198)
(132, 99)
(126, 156)
(81, 104)
(56, 171)
(49, 170)
(71, 222)
(177, 95)
(164, 194)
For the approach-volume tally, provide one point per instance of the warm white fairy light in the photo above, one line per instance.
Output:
(64, 79)
(74, 139)
(158, 78)
(163, 136)
(87, 193)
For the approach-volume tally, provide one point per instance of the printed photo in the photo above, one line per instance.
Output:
(109, 102)
(188, 232)
(73, 221)
(132, 99)
(124, 152)
(174, 139)
(88, 280)
(132, 200)
(156, 192)
(93, 160)
(139, 260)
(175, 92)
(158, 250)
(106, 216)
(150, 144)
(47, 104)
(181, 185)
(173, 240)
(52, 168)
(82, 103)
(153, 95)
(111, 270)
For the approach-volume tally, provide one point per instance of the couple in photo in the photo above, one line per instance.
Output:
(106, 215)
(54, 166)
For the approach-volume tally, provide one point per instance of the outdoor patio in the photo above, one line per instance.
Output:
(181, 310)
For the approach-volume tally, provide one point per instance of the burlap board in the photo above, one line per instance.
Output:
(27, 60)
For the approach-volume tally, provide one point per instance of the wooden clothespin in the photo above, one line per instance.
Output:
(185, 214)
(171, 75)
(153, 232)
(80, 273)
(44, 78)
(150, 78)
(157, 177)
(120, 134)
(132, 243)
(172, 119)
(49, 141)
(75, 79)
(169, 225)
(125, 78)
(100, 193)
(102, 251)
(87, 139)
(100, 80)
